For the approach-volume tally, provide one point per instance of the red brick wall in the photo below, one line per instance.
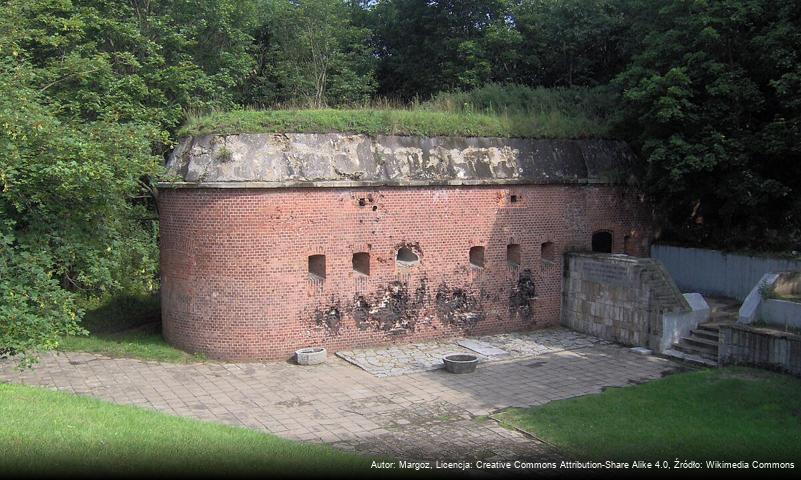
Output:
(234, 262)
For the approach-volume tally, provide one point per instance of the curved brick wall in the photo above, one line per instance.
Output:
(235, 267)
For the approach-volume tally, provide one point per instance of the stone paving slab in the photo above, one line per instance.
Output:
(482, 348)
(420, 357)
(402, 359)
(543, 341)
(430, 415)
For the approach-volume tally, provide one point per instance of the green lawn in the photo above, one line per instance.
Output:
(373, 121)
(144, 342)
(127, 326)
(721, 414)
(43, 432)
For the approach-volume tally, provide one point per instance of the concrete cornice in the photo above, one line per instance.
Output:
(306, 160)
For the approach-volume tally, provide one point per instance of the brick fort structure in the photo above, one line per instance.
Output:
(275, 242)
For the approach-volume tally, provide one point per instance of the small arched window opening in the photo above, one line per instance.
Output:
(513, 254)
(628, 245)
(548, 252)
(602, 242)
(477, 257)
(406, 257)
(317, 267)
(361, 263)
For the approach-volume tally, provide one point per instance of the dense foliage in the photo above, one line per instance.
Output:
(311, 53)
(93, 92)
(713, 100)
(89, 92)
(426, 47)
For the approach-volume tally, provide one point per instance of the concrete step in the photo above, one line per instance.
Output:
(664, 297)
(690, 358)
(700, 350)
(701, 341)
(723, 309)
(708, 334)
(722, 303)
(713, 326)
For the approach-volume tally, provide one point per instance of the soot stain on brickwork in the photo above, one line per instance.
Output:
(393, 310)
(421, 293)
(329, 317)
(361, 312)
(457, 307)
(520, 297)
(397, 310)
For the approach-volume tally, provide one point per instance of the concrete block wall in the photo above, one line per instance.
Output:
(235, 262)
(619, 298)
(713, 272)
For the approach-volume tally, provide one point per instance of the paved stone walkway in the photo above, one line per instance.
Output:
(420, 357)
(424, 416)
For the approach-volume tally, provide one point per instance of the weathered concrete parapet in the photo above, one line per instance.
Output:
(773, 311)
(629, 300)
(749, 310)
(781, 313)
(676, 325)
(332, 159)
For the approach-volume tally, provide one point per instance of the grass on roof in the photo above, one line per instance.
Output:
(494, 110)
(396, 122)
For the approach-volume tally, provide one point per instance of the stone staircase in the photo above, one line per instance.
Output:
(664, 292)
(701, 346)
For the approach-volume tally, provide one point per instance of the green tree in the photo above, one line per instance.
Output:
(573, 42)
(90, 92)
(68, 225)
(428, 46)
(132, 61)
(314, 54)
(712, 103)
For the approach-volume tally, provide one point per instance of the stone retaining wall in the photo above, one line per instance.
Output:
(760, 347)
(619, 298)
